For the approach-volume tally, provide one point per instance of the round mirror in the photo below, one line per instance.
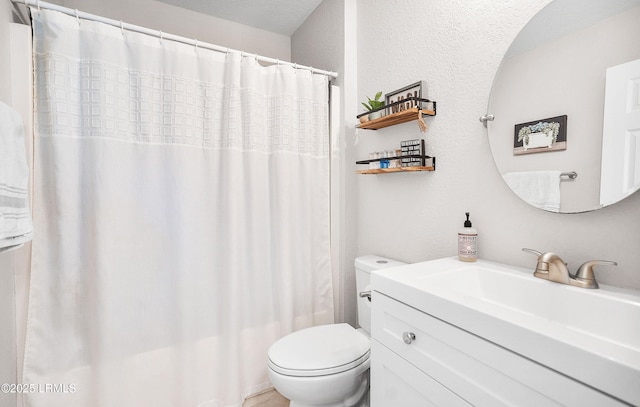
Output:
(566, 105)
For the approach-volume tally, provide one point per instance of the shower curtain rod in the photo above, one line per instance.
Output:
(135, 28)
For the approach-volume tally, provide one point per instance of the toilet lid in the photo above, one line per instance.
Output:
(320, 350)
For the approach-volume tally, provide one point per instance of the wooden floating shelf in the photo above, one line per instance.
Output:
(395, 118)
(401, 169)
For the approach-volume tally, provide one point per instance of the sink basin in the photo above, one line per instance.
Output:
(590, 335)
(606, 314)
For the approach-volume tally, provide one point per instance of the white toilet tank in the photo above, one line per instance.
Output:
(364, 266)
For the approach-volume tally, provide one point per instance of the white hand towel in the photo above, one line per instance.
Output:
(539, 188)
(16, 226)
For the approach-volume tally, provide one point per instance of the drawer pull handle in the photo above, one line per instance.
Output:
(408, 337)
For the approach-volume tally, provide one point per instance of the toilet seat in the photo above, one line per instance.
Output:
(319, 351)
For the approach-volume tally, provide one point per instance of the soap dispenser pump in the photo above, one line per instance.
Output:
(468, 242)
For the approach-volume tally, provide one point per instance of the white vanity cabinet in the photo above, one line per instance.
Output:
(418, 358)
(399, 383)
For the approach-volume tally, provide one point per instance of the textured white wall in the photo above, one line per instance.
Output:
(457, 46)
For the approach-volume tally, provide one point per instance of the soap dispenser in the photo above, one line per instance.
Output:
(468, 242)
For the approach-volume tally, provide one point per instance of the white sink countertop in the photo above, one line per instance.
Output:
(592, 335)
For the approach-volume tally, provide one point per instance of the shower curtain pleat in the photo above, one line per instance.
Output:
(181, 218)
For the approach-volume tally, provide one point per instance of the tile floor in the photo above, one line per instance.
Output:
(267, 398)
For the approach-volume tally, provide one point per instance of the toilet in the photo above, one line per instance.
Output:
(328, 365)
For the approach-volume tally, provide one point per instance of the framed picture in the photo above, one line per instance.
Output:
(540, 136)
(418, 89)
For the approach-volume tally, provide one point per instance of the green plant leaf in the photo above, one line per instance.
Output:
(374, 103)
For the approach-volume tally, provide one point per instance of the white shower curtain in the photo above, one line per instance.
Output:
(181, 218)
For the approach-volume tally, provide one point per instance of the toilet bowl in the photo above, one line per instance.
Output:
(328, 365)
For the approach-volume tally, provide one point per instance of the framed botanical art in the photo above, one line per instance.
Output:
(540, 136)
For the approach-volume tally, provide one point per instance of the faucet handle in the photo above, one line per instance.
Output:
(534, 252)
(585, 272)
(542, 268)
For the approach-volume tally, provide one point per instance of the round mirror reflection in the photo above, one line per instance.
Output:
(566, 101)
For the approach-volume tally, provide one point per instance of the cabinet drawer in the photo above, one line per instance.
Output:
(395, 382)
(479, 371)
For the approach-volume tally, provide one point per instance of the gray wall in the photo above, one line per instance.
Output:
(456, 48)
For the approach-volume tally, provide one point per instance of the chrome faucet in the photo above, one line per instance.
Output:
(551, 267)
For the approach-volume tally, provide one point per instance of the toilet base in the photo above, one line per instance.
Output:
(359, 399)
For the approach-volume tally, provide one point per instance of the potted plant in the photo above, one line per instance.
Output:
(374, 104)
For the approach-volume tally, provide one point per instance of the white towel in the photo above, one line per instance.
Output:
(16, 226)
(539, 188)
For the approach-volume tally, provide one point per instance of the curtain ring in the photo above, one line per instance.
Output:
(160, 31)
(38, 4)
(77, 17)
(122, 27)
(195, 43)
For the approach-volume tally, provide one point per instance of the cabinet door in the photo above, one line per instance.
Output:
(395, 382)
(479, 371)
